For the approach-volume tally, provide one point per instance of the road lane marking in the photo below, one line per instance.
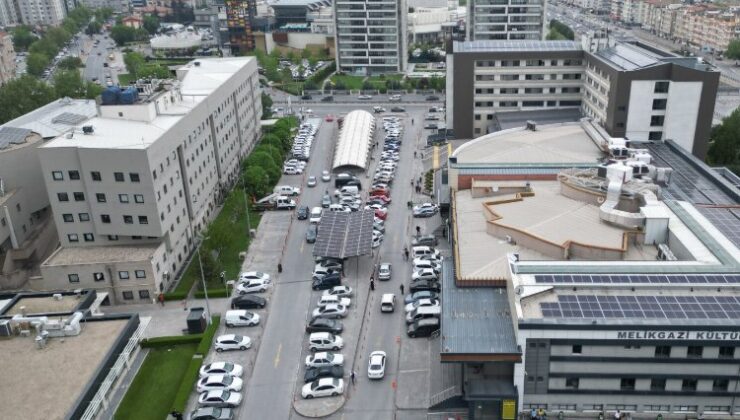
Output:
(277, 356)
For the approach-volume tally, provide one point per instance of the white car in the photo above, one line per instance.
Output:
(425, 206)
(324, 341)
(219, 382)
(334, 300)
(232, 342)
(330, 311)
(220, 398)
(324, 387)
(365, 97)
(376, 365)
(221, 368)
(253, 286)
(324, 359)
(384, 271)
(421, 302)
(254, 275)
(325, 176)
(315, 216)
(311, 181)
(340, 291)
(424, 274)
(420, 263)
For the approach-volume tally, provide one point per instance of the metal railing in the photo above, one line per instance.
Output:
(99, 401)
(446, 394)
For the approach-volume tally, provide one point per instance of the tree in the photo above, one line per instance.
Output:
(273, 140)
(133, 61)
(151, 24)
(274, 151)
(123, 34)
(366, 85)
(93, 27)
(724, 148)
(211, 266)
(23, 38)
(69, 83)
(70, 63)
(92, 90)
(256, 181)
(733, 50)
(58, 36)
(23, 95)
(154, 71)
(310, 84)
(266, 106)
(44, 46)
(36, 64)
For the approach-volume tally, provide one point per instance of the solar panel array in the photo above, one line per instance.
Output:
(645, 307)
(727, 220)
(639, 279)
(68, 118)
(344, 235)
(12, 135)
(517, 45)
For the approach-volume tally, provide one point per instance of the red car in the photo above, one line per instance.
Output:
(379, 198)
(381, 214)
(380, 192)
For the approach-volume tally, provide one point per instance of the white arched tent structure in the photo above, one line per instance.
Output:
(355, 138)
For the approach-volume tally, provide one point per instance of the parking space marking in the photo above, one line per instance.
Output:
(277, 355)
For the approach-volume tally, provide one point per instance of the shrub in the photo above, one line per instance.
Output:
(207, 337)
(212, 293)
(186, 386)
(169, 341)
(177, 295)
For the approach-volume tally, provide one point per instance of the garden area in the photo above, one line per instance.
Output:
(384, 82)
(167, 376)
(228, 234)
(282, 76)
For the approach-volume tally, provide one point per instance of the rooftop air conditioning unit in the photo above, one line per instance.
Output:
(87, 129)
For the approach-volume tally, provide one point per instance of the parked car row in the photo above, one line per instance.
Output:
(303, 140)
(422, 306)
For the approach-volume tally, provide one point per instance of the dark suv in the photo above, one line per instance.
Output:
(423, 327)
(327, 282)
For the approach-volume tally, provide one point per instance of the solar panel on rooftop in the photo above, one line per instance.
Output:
(660, 307)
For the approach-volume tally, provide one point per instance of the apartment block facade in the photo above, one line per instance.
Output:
(7, 58)
(506, 20)
(631, 91)
(40, 12)
(130, 195)
(371, 36)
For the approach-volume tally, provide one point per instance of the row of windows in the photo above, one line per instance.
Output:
(95, 175)
(99, 276)
(527, 63)
(537, 90)
(627, 407)
(129, 295)
(105, 218)
(530, 76)
(725, 352)
(656, 384)
(101, 197)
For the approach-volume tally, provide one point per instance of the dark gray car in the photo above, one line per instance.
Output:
(212, 413)
(426, 240)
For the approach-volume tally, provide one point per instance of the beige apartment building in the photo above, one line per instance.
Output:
(131, 187)
(7, 58)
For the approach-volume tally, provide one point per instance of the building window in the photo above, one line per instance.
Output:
(73, 237)
(128, 295)
(717, 408)
(657, 407)
(79, 196)
(577, 349)
(133, 176)
(96, 176)
(657, 384)
(657, 120)
(627, 384)
(659, 104)
(63, 196)
(123, 198)
(655, 135)
(89, 237)
(100, 197)
(143, 220)
(98, 276)
(695, 352)
(57, 175)
(129, 220)
(720, 385)
(662, 351)
(105, 218)
(140, 274)
(571, 383)
(688, 385)
(143, 294)
(661, 87)
(139, 198)
(84, 217)
(73, 278)
(74, 175)
(68, 218)
(123, 275)
(620, 125)
(112, 237)
(687, 408)
(118, 176)
(727, 352)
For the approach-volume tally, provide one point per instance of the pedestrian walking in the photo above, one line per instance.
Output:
(372, 284)
(406, 252)
(418, 230)
(352, 376)
(160, 298)
(280, 267)
(414, 153)
(402, 289)
(617, 415)
(412, 183)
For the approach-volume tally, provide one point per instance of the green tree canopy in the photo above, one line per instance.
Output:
(151, 23)
(23, 95)
(70, 63)
(733, 50)
(93, 28)
(23, 38)
(724, 148)
(266, 105)
(36, 63)
(69, 83)
(122, 34)
(256, 181)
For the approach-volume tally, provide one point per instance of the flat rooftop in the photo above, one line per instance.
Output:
(100, 254)
(55, 118)
(56, 375)
(43, 304)
(514, 46)
(554, 144)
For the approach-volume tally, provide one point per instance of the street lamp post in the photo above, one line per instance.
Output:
(205, 289)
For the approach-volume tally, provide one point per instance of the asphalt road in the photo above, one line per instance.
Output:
(278, 371)
(98, 55)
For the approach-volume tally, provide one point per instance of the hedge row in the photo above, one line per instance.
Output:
(186, 386)
(169, 341)
(176, 295)
(212, 293)
(207, 340)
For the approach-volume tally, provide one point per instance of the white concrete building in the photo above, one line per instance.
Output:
(8, 13)
(41, 12)
(131, 187)
(371, 36)
(506, 19)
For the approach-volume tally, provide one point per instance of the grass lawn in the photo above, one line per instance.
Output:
(350, 82)
(153, 390)
(379, 83)
(233, 219)
(125, 79)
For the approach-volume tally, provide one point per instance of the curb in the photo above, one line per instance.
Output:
(328, 406)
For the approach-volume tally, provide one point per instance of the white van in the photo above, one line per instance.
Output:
(339, 208)
(388, 302)
(241, 318)
(424, 251)
(322, 341)
(423, 312)
(287, 190)
(315, 215)
(347, 189)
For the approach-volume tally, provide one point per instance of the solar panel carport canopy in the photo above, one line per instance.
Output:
(355, 138)
(344, 235)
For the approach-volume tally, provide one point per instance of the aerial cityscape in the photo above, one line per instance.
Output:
(370, 209)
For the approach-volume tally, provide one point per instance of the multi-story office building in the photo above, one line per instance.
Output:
(7, 58)
(240, 16)
(41, 12)
(632, 91)
(580, 286)
(132, 187)
(506, 20)
(371, 36)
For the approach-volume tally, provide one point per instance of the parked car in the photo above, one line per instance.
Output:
(426, 240)
(322, 341)
(232, 342)
(376, 365)
(365, 97)
(253, 286)
(311, 233)
(311, 181)
(241, 318)
(325, 176)
(219, 382)
(248, 302)
(221, 368)
(254, 275)
(324, 325)
(327, 282)
(432, 98)
(211, 413)
(384, 271)
(425, 274)
(332, 310)
(423, 327)
(315, 373)
(341, 291)
(420, 304)
(333, 300)
(324, 387)
(430, 285)
(424, 294)
(220, 398)
(324, 359)
(315, 216)
(302, 213)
